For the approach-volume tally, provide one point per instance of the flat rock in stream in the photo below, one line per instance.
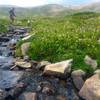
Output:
(23, 64)
(21, 30)
(9, 79)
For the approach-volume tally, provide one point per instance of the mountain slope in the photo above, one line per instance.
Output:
(91, 7)
(47, 10)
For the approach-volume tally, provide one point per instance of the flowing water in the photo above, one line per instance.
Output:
(9, 79)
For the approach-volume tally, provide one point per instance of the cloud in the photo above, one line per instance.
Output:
(43, 2)
(29, 2)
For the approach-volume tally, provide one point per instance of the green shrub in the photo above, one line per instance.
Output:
(58, 39)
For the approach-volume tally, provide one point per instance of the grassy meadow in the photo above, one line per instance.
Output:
(64, 37)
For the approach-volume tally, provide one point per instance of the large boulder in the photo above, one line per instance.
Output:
(97, 71)
(58, 69)
(91, 62)
(25, 48)
(77, 77)
(91, 88)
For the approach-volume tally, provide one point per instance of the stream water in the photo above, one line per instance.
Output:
(36, 82)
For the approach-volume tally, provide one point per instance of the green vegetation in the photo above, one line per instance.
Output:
(3, 25)
(62, 38)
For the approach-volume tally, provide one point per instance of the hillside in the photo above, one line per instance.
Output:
(46, 10)
(91, 7)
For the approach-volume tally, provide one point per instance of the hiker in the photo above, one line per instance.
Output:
(12, 15)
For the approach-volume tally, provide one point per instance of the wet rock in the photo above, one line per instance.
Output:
(39, 88)
(28, 96)
(78, 82)
(18, 89)
(42, 64)
(13, 41)
(11, 46)
(23, 64)
(26, 58)
(4, 39)
(9, 79)
(49, 98)
(77, 77)
(61, 97)
(97, 71)
(45, 97)
(3, 94)
(89, 61)
(79, 72)
(24, 48)
(44, 83)
(46, 87)
(20, 30)
(34, 64)
(49, 90)
(91, 88)
(58, 69)
(9, 97)
(70, 91)
(11, 28)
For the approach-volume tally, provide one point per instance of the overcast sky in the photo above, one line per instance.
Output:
(30, 3)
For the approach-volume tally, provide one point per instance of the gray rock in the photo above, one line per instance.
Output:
(89, 61)
(91, 88)
(28, 96)
(46, 97)
(48, 90)
(58, 69)
(42, 64)
(77, 77)
(26, 58)
(25, 48)
(18, 89)
(79, 72)
(61, 97)
(78, 82)
(20, 30)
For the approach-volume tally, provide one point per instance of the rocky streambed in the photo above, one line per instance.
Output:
(25, 79)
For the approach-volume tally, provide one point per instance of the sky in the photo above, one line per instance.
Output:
(33, 3)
